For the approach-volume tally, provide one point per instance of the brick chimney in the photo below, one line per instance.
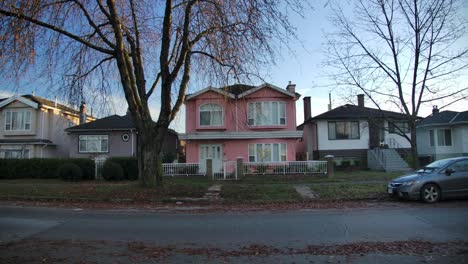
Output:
(360, 100)
(291, 87)
(435, 110)
(307, 109)
(82, 113)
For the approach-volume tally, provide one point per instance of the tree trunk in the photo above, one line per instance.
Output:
(414, 145)
(149, 157)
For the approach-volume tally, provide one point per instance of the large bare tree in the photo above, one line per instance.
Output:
(406, 53)
(147, 45)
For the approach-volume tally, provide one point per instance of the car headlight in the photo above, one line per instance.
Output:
(410, 183)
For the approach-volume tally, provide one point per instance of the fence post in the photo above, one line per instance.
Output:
(240, 168)
(330, 167)
(209, 168)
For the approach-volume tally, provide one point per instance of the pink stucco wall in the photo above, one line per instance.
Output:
(235, 119)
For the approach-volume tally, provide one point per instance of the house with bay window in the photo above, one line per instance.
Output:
(255, 123)
(352, 132)
(33, 127)
(443, 135)
(112, 136)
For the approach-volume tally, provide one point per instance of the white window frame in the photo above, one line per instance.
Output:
(25, 153)
(252, 113)
(444, 143)
(254, 156)
(347, 124)
(211, 116)
(9, 115)
(101, 137)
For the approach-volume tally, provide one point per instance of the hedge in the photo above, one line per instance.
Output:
(37, 168)
(129, 166)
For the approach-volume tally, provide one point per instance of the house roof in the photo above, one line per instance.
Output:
(444, 118)
(241, 90)
(109, 123)
(40, 101)
(349, 111)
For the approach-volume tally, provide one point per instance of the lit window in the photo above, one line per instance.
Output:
(94, 143)
(17, 120)
(211, 115)
(267, 114)
(269, 152)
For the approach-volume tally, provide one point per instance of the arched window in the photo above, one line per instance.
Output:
(211, 115)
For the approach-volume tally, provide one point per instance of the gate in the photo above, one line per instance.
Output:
(98, 164)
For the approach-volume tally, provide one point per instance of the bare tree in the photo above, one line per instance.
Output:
(404, 52)
(151, 45)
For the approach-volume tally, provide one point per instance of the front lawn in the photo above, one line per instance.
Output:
(259, 193)
(350, 191)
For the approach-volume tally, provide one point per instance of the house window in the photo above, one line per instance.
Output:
(94, 143)
(267, 114)
(211, 115)
(398, 127)
(17, 120)
(269, 152)
(343, 130)
(16, 153)
(444, 137)
(431, 138)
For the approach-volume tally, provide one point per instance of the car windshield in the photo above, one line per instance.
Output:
(435, 165)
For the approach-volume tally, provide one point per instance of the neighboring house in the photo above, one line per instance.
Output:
(112, 136)
(256, 123)
(33, 127)
(443, 135)
(348, 132)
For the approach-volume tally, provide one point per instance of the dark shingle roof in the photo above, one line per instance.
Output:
(113, 122)
(50, 103)
(445, 117)
(348, 111)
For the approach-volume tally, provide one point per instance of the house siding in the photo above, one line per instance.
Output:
(459, 145)
(117, 147)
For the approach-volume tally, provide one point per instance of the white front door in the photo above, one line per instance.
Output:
(213, 152)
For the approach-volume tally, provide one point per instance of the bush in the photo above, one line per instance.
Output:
(262, 168)
(168, 157)
(112, 171)
(129, 166)
(70, 172)
(38, 168)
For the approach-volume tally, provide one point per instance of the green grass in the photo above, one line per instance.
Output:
(235, 193)
(350, 191)
(101, 190)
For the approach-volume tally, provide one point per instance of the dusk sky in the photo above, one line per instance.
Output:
(304, 68)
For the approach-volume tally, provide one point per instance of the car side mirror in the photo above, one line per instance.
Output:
(449, 172)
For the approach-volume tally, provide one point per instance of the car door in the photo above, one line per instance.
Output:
(456, 183)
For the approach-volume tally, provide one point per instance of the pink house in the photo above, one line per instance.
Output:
(256, 123)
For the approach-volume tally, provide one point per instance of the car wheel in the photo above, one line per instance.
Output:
(430, 193)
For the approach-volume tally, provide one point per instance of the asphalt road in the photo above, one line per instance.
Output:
(232, 230)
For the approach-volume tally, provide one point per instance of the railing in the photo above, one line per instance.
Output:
(286, 167)
(182, 169)
(228, 171)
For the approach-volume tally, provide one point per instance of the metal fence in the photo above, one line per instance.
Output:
(98, 164)
(286, 167)
(227, 172)
(182, 169)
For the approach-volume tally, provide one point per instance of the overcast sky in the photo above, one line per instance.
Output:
(304, 68)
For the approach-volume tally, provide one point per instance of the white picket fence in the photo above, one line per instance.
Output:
(285, 167)
(182, 169)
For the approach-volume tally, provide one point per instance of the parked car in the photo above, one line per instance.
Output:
(441, 179)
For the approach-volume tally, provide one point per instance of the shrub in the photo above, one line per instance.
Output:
(70, 172)
(168, 157)
(261, 168)
(129, 166)
(112, 171)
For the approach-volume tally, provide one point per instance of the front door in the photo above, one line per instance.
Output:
(376, 133)
(213, 152)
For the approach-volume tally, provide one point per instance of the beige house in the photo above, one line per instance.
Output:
(33, 127)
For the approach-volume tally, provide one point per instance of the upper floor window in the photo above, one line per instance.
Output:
(444, 137)
(211, 115)
(398, 127)
(94, 143)
(343, 130)
(267, 114)
(17, 120)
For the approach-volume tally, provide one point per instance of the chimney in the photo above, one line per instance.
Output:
(360, 100)
(329, 102)
(82, 113)
(291, 87)
(435, 110)
(56, 102)
(307, 110)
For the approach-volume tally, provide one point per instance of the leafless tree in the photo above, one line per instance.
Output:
(148, 46)
(404, 52)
